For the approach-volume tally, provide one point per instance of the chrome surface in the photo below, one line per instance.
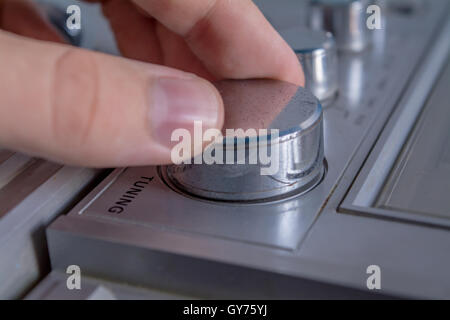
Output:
(243, 174)
(422, 172)
(413, 107)
(317, 53)
(346, 19)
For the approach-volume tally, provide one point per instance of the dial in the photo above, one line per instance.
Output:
(258, 165)
(316, 50)
(346, 19)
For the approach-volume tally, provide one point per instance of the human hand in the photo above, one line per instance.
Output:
(86, 108)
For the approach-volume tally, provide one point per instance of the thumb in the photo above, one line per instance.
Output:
(84, 108)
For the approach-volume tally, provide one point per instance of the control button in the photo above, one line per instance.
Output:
(259, 166)
(316, 50)
(346, 19)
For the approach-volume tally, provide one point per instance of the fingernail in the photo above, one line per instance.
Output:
(178, 103)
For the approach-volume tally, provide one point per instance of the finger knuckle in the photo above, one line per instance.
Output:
(75, 98)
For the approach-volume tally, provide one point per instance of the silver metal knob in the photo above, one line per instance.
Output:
(316, 50)
(296, 152)
(346, 19)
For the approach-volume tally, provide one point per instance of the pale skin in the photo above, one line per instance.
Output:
(86, 108)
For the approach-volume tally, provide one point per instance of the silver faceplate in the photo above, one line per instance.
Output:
(298, 247)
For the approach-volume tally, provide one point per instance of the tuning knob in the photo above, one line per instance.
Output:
(346, 19)
(317, 53)
(245, 172)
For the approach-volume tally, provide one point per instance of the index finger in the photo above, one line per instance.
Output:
(231, 37)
